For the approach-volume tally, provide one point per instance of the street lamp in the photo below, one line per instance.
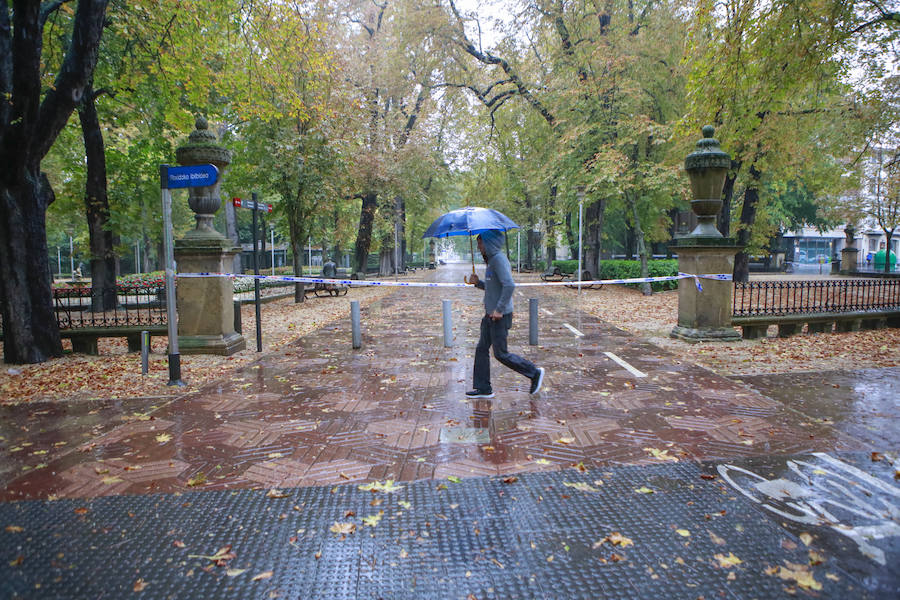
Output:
(580, 213)
(706, 167)
(272, 244)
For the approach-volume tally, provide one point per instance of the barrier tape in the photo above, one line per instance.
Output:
(363, 282)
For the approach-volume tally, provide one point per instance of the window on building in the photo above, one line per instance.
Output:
(873, 244)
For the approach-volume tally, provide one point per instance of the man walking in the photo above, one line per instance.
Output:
(498, 289)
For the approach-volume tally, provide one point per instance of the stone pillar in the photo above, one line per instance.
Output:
(850, 253)
(705, 316)
(205, 304)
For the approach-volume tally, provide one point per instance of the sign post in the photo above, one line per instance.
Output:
(255, 206)
(171, 178)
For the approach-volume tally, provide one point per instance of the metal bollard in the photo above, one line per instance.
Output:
(354, 322)
(238, 327)
(448, 324)
(145, 352)
(533, 321)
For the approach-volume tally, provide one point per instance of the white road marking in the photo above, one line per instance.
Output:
(547, 311)
(625, 365)
(573, 330)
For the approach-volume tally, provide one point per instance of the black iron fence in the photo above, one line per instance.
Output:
(130, 305)
(781, 298)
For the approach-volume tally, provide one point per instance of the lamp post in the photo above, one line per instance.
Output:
(272, 244)
(580, 229)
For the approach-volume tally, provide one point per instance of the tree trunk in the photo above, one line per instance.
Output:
(299, 288)
(386, 261)
(571, 236)
(30, 121)
(30, 333)
(549, 219)
(748, 218)
(96, 201)
(364, 237)
(401, 234)
(231, 231)
(723, 219)
(640, 246)
(888, 265)
(593, 233)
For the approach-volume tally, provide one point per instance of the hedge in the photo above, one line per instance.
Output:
(630, 269)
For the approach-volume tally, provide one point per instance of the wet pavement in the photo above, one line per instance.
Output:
(318, 413)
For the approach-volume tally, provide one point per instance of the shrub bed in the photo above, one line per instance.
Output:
(630, 269)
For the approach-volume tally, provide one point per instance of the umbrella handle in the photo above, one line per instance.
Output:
(472, 250)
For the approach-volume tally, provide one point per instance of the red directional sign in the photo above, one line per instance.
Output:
(251, 204)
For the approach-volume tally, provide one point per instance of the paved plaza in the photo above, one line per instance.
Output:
(630, 475)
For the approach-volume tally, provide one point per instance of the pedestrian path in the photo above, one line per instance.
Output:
(327, 472)
(320, 413)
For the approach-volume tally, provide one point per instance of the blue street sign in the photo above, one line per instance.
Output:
(190, 176)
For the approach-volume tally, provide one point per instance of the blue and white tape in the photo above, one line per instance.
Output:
(364, 282)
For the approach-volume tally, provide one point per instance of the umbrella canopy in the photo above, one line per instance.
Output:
(470, 220)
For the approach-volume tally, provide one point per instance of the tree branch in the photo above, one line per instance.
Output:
(74, 75)
(492, 60)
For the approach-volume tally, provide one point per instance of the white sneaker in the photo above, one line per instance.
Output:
(536, 381)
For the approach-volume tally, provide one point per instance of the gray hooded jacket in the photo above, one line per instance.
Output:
(498, 282)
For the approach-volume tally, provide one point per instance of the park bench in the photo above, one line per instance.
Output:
(554, 274)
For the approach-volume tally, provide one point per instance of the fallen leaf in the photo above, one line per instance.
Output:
(81, 510)
(511, 479)
(454, 479)
(616, 539)
(806, 538)
(716, 539)
(261, 576)
(162, 438)
(111, 480)
(372, 520)
(405, 504)
(581, 486)
(343, 528)
(683, 532)
(178, 544)
(273, 493)
(877, 456)
(798, 573)
(17, 561)
(198, 479)
(376, 486)
(14, 529)
(644, 490)
(139, 585)
(660, 454)
(235, 572)
(727, 561)
(566, 440)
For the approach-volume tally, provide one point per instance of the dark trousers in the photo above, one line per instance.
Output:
(494, 333)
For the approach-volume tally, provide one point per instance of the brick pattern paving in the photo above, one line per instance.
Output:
(319, 413)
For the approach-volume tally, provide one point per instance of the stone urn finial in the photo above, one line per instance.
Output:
(706, 167)
(200, 149)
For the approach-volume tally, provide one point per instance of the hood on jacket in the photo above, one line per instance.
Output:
(493, 242)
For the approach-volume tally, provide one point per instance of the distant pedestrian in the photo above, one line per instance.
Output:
(498, 289)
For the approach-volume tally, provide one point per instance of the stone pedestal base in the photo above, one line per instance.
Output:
(848, 260)
(223, 345)
(206, 304)
(706, 334)
(705, 316)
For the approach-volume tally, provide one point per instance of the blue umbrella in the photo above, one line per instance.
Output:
(470, 221)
